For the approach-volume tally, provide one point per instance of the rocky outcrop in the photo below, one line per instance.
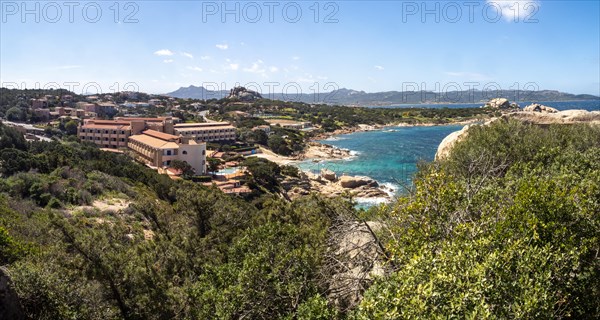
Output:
(559, 117)
(243, 94)
(501, 103)
(354, 258)
(449, 141)
(355, 182)
(536, 107)
(360, 187)
(328, 175)
(317, 151)
(534, 117)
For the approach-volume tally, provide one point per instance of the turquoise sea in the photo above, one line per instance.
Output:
(390, 155)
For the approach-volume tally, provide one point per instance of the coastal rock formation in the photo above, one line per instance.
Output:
(360, 187)
(317, 150)
(449, 141)
(501, 103)
(536, 107)
(534, 117)
(355, 182)
(328, 174)
(559, 117)
(243, 94)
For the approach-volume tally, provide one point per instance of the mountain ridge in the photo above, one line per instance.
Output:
(346, 96)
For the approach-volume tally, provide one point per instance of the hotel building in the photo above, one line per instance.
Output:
(115, 133)
(159, 149)
(208, 131)
(106, 133)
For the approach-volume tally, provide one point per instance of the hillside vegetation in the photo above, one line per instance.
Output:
(507, 226)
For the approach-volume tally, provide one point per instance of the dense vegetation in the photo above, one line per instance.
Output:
(177, 250)
(506, 227)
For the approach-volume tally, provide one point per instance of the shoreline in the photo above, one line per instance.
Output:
(371, 193)
(376, 127)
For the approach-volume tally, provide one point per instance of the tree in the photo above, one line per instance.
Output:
(279, 145)
(16, 114)
(263, 171)
(213, 164)
(186, 169)
(11, 138)
(13, 161)
(71, 127)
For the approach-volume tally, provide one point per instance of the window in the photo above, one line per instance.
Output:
(168, 152)
(184, 152)
(203, 153)
(122, 132)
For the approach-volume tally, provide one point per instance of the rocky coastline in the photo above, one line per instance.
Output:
(329, 184)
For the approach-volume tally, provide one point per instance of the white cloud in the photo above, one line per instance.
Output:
(379, 67)
(168, 60)
(222, 46)
(514, 10)
(233, 66)
(189, 55)
(256, 68)
(205, 58)
(163, 52)
(273, 69)
(198, 69)
(295, 58)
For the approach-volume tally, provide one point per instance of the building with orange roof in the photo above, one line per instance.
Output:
(105, 133)
(206, 131)
(115, 133)
(159, 149)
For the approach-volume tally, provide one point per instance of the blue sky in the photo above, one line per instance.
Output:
(160, 46)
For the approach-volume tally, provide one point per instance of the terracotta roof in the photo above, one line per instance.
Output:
(154, 142)
(106, 126)
(144, 119)
(204, 128)
(161, 135)
(109, 122)
(201, 124)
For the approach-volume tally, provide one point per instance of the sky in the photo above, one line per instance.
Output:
(307, 46)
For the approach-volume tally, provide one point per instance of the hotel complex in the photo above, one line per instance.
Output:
(159, 149)
(105, 133)
(158, 141)
(207, 131)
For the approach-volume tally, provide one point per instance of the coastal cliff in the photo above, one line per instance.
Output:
(535, 114)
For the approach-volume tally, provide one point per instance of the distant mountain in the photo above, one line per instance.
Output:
(193, 92)
(353, 97)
